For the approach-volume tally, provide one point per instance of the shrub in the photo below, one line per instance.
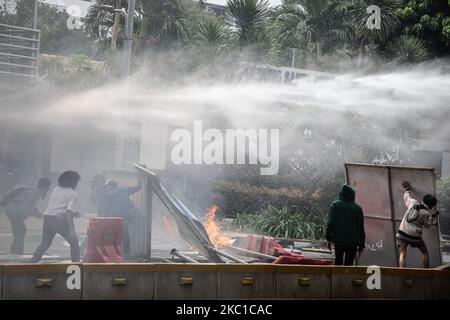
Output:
(443, 196)
(239, 197)
(282, 223)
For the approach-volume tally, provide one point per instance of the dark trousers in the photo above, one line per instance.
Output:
(18, 230)
(52, 226)
(345, 254)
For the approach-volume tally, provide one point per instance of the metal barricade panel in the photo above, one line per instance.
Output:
(367, 182)
(422, 182)
(19, 54)
(379, 192)
(380, 243)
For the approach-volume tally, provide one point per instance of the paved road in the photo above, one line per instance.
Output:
(59, 249)
(161, 244)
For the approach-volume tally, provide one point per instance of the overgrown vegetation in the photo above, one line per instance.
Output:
(443, 195)
(312, 34)
(282, 223)
(304, 33)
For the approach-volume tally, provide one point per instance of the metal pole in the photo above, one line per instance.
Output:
(227, 255)
(253, 253)
(294, 51)
(35, 14)
(182, 256)
(128, 38)
(149, 204)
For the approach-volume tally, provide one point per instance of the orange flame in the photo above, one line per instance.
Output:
(212, 228)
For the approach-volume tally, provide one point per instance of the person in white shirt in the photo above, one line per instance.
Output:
(58, 217)
(417, 216)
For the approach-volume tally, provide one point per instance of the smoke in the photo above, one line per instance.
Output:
(415, 97)
(323, 122)
(356, 116)
(397, 94)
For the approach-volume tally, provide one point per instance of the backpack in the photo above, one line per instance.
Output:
(10, 196)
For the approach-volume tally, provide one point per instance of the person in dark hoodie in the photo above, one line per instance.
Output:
(345, 227)
(119, 204)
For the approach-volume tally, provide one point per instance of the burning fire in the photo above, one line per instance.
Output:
(212, 228)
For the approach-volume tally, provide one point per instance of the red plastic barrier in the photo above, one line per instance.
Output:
(105, 236)
(269, 246)
(301, 260)
(168, 227)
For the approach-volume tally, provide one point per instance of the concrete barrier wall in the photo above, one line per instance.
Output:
(118, 281)
(441, 284)
(303, 282)
(186, 281)
(351, 283)
(407, 283)
(251, 281)
(215, 281)
(38, 282)
(1, 282)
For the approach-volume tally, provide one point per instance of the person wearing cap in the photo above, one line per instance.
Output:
(345, 227)
(418, 215)
(119, 204)
(20, 204)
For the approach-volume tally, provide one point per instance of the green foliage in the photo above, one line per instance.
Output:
(243, 197)
(320, 32)
(443, 195)
(212, 32)
(164, 21)
(56, 37)
(249, 17)
(282, 223)
(389, 20)
(77, 71)
(429, 21)
(408, 49)
(99, 22)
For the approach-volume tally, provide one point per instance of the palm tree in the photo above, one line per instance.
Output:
(158, 21)
(291, 30)
(247, 16)
(212, 32)
(99, 21)
(116, 25)
(319, 19)
(357, 13)
(163, 21)
(408, 49)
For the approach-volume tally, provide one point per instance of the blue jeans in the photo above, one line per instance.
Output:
(52, 226)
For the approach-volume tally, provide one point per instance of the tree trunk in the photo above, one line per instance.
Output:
(361, 51)
(318, 51)
(116, 26)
